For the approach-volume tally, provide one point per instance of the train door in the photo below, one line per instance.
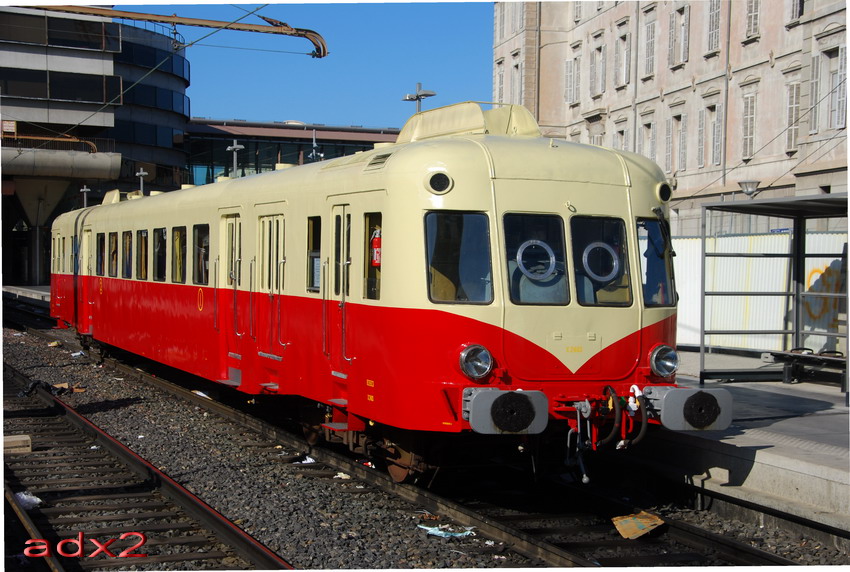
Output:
(84, 267)
(339, 288)
(232, 306)
(270, 267)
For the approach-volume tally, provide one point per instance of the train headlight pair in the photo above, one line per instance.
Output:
(476, 362)
(664, 361)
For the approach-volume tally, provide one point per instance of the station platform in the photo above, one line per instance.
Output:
(788, 446)
(40, 295)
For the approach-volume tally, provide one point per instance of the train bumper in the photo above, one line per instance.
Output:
(686, 409)
(494, 411)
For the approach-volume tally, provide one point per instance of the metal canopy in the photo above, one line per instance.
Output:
(799, 209)
(812, 206)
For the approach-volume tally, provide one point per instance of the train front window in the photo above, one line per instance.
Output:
(536, 257)
(601, 263)
(656, 264)
(458, 249)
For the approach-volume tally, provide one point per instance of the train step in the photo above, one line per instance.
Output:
(339, 402)
(336, 426)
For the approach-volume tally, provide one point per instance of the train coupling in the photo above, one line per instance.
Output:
(688, 409)
(495, 411)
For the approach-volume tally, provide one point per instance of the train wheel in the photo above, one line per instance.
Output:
(312, 433)
(400, 463)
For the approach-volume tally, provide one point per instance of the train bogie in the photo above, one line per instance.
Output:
(472, 278)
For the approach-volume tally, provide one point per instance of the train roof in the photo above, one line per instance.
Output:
(508, 133)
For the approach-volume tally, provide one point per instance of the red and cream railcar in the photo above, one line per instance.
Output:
(474, 277)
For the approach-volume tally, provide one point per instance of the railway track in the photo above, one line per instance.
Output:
(548, 533)
(89, 502)
(553, 533)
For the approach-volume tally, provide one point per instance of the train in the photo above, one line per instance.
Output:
(472, 282)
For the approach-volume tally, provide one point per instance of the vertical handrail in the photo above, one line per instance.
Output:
(215, 294)
(281, 266)
(323, 285)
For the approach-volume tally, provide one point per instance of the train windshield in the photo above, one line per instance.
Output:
(459, 266)
(601, 261)
(534, 245)
(656, 264)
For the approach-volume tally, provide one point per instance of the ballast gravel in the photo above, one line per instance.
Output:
(311, 522)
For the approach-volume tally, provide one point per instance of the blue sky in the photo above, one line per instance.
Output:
(377, 54)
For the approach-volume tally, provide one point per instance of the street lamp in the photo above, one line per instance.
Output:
(141, 175)
(418, 96)
(235, 148)
(750, 188)
(85, 190)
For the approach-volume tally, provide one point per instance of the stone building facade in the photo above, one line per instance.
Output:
(715, 91)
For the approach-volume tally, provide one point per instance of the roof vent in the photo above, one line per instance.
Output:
(378, 161)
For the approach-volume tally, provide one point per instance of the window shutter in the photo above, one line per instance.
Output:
(701, 139)
(649, 61)
(683, 142)
(814, 94)
(717, 143)
(714, 25)
(652, 141)
(842, 87)
(668, 146)
(617, 63)
(601, 70)
(671, 39)
(568, 81)
(627, 64)
(686, 26)
(593, 72)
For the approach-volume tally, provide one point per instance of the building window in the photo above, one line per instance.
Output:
(500, 82)
(677, 48)
(576, 11)
(572, 81)
(793, 127)
(748, 125)
(516, 83)
(649, 50)
(753, 9)
(713, 26)
(622, 59)
(837, 87)
(814, 94)
(675, 144)
(314, 254)
(597, 71)
(716, 115)
(647, 139)
(797, 9)
(621, 138)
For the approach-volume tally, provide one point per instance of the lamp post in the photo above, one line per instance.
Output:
(418, 96)
(141, 175)
(750, 188)
(85, 191)
(235, 148)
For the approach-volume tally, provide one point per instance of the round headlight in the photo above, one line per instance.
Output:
(476, 362)
(664, 361)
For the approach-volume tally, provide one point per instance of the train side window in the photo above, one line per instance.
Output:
(234, 250)
(536, 257)
(101, 253)
(178, 254)
(160, 240)
(271, 253)
(372, 269)
(342, 238)
(314, 253)
(127, 254)
(113, 254)
(201, 256)
(656, 264)
(142, 255)
(601, 263)
(458, 249)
